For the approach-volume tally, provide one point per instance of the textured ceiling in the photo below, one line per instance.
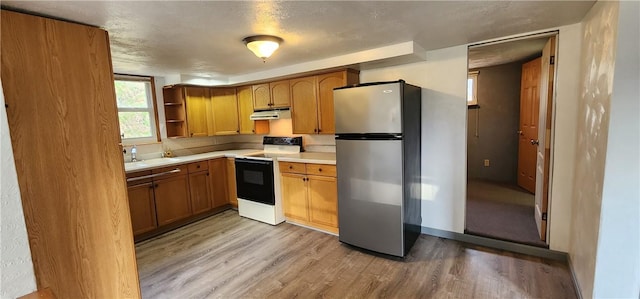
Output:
(204, 38)
(507, 52)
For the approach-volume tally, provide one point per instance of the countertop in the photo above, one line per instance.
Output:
(162, 162)
(310, 157)
(305, 157)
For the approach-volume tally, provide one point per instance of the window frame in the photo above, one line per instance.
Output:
(472, 75)
(152, 110)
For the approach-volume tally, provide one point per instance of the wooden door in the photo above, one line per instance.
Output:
(529, 107)
(200, 192)
(224, 106)
(304, 118)
(544, 133)
(197, 101)
(326, 115)
(245, 109)
(323, 201)
(261, 96)
(294, 196)
(142, 208)
(218, 178)
(231, 182)
(172, 199)
(61, 110)
(280, 94)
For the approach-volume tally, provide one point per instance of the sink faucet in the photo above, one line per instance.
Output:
(134, 150)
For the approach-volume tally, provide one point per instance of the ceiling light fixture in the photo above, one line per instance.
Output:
(262, 45)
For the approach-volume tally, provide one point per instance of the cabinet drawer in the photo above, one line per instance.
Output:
(321, 169)
(170, 171)
(292, 167)
(198, 166)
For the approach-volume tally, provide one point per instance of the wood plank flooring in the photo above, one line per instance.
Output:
(227, 256)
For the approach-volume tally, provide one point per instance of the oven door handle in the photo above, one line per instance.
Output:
(253, 161)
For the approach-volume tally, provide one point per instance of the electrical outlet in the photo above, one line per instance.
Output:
(486, 162)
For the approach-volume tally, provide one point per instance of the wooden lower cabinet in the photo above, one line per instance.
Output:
(172, 199)
(200, 191)
(231, 182)
(218, 180)
(294, 191)
(310, 195)
(323, 204)
(142, 207)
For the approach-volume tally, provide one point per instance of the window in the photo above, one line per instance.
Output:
(136, 109)
(472, 88)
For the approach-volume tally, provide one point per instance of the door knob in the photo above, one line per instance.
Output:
(519, 132)
(534, 142)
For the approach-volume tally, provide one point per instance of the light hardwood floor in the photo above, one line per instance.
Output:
(227, 256)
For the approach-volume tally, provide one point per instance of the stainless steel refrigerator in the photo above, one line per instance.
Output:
(378, 164)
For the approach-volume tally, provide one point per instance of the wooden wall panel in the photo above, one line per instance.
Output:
(58, 84)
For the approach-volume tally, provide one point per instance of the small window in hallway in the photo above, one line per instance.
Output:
(472, 88)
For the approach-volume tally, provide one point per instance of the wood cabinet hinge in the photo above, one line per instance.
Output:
(544, 216)
(552, 60)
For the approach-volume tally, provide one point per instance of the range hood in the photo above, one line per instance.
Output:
(270, 114)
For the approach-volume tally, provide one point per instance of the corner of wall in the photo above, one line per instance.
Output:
(16, 266)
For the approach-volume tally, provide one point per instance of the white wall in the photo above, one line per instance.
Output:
(443, 78)
(16, 268)
(617, 272)
(564, 139)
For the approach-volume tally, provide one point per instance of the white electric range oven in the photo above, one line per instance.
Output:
(258, 180)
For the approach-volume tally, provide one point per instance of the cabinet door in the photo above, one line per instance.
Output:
(261, 96)
(326, 84)
(218, 178)
(200, 191)
(142, 208)
(323, 201)
(280, 94)
(224, 106)
(294, 196)
(231, 182)
(198, 100)
(172, 199)
(303, 105)
(245, 108)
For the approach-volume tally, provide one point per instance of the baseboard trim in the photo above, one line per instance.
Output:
(498, 244)
(576, 285)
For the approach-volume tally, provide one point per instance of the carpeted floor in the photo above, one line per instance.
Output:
(502, 212)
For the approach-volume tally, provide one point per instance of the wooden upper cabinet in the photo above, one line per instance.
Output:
(224, 106)
(303, 103)
(261, 96)
(280, 94)
(326, 84)
(198, 102)
(312, 101)
(174, 111)
(245, 109)
(271, 95)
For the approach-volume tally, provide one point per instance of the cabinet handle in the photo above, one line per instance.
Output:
(153, 175)
(319, 169)
(319, 130)
(197, 166)
(191, 134)
(290, 167)
(315, 130)
(155, 186)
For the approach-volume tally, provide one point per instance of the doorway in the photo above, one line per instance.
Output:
(510, 96)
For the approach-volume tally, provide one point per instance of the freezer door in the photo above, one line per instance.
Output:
(370, 194)
(368, 109)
